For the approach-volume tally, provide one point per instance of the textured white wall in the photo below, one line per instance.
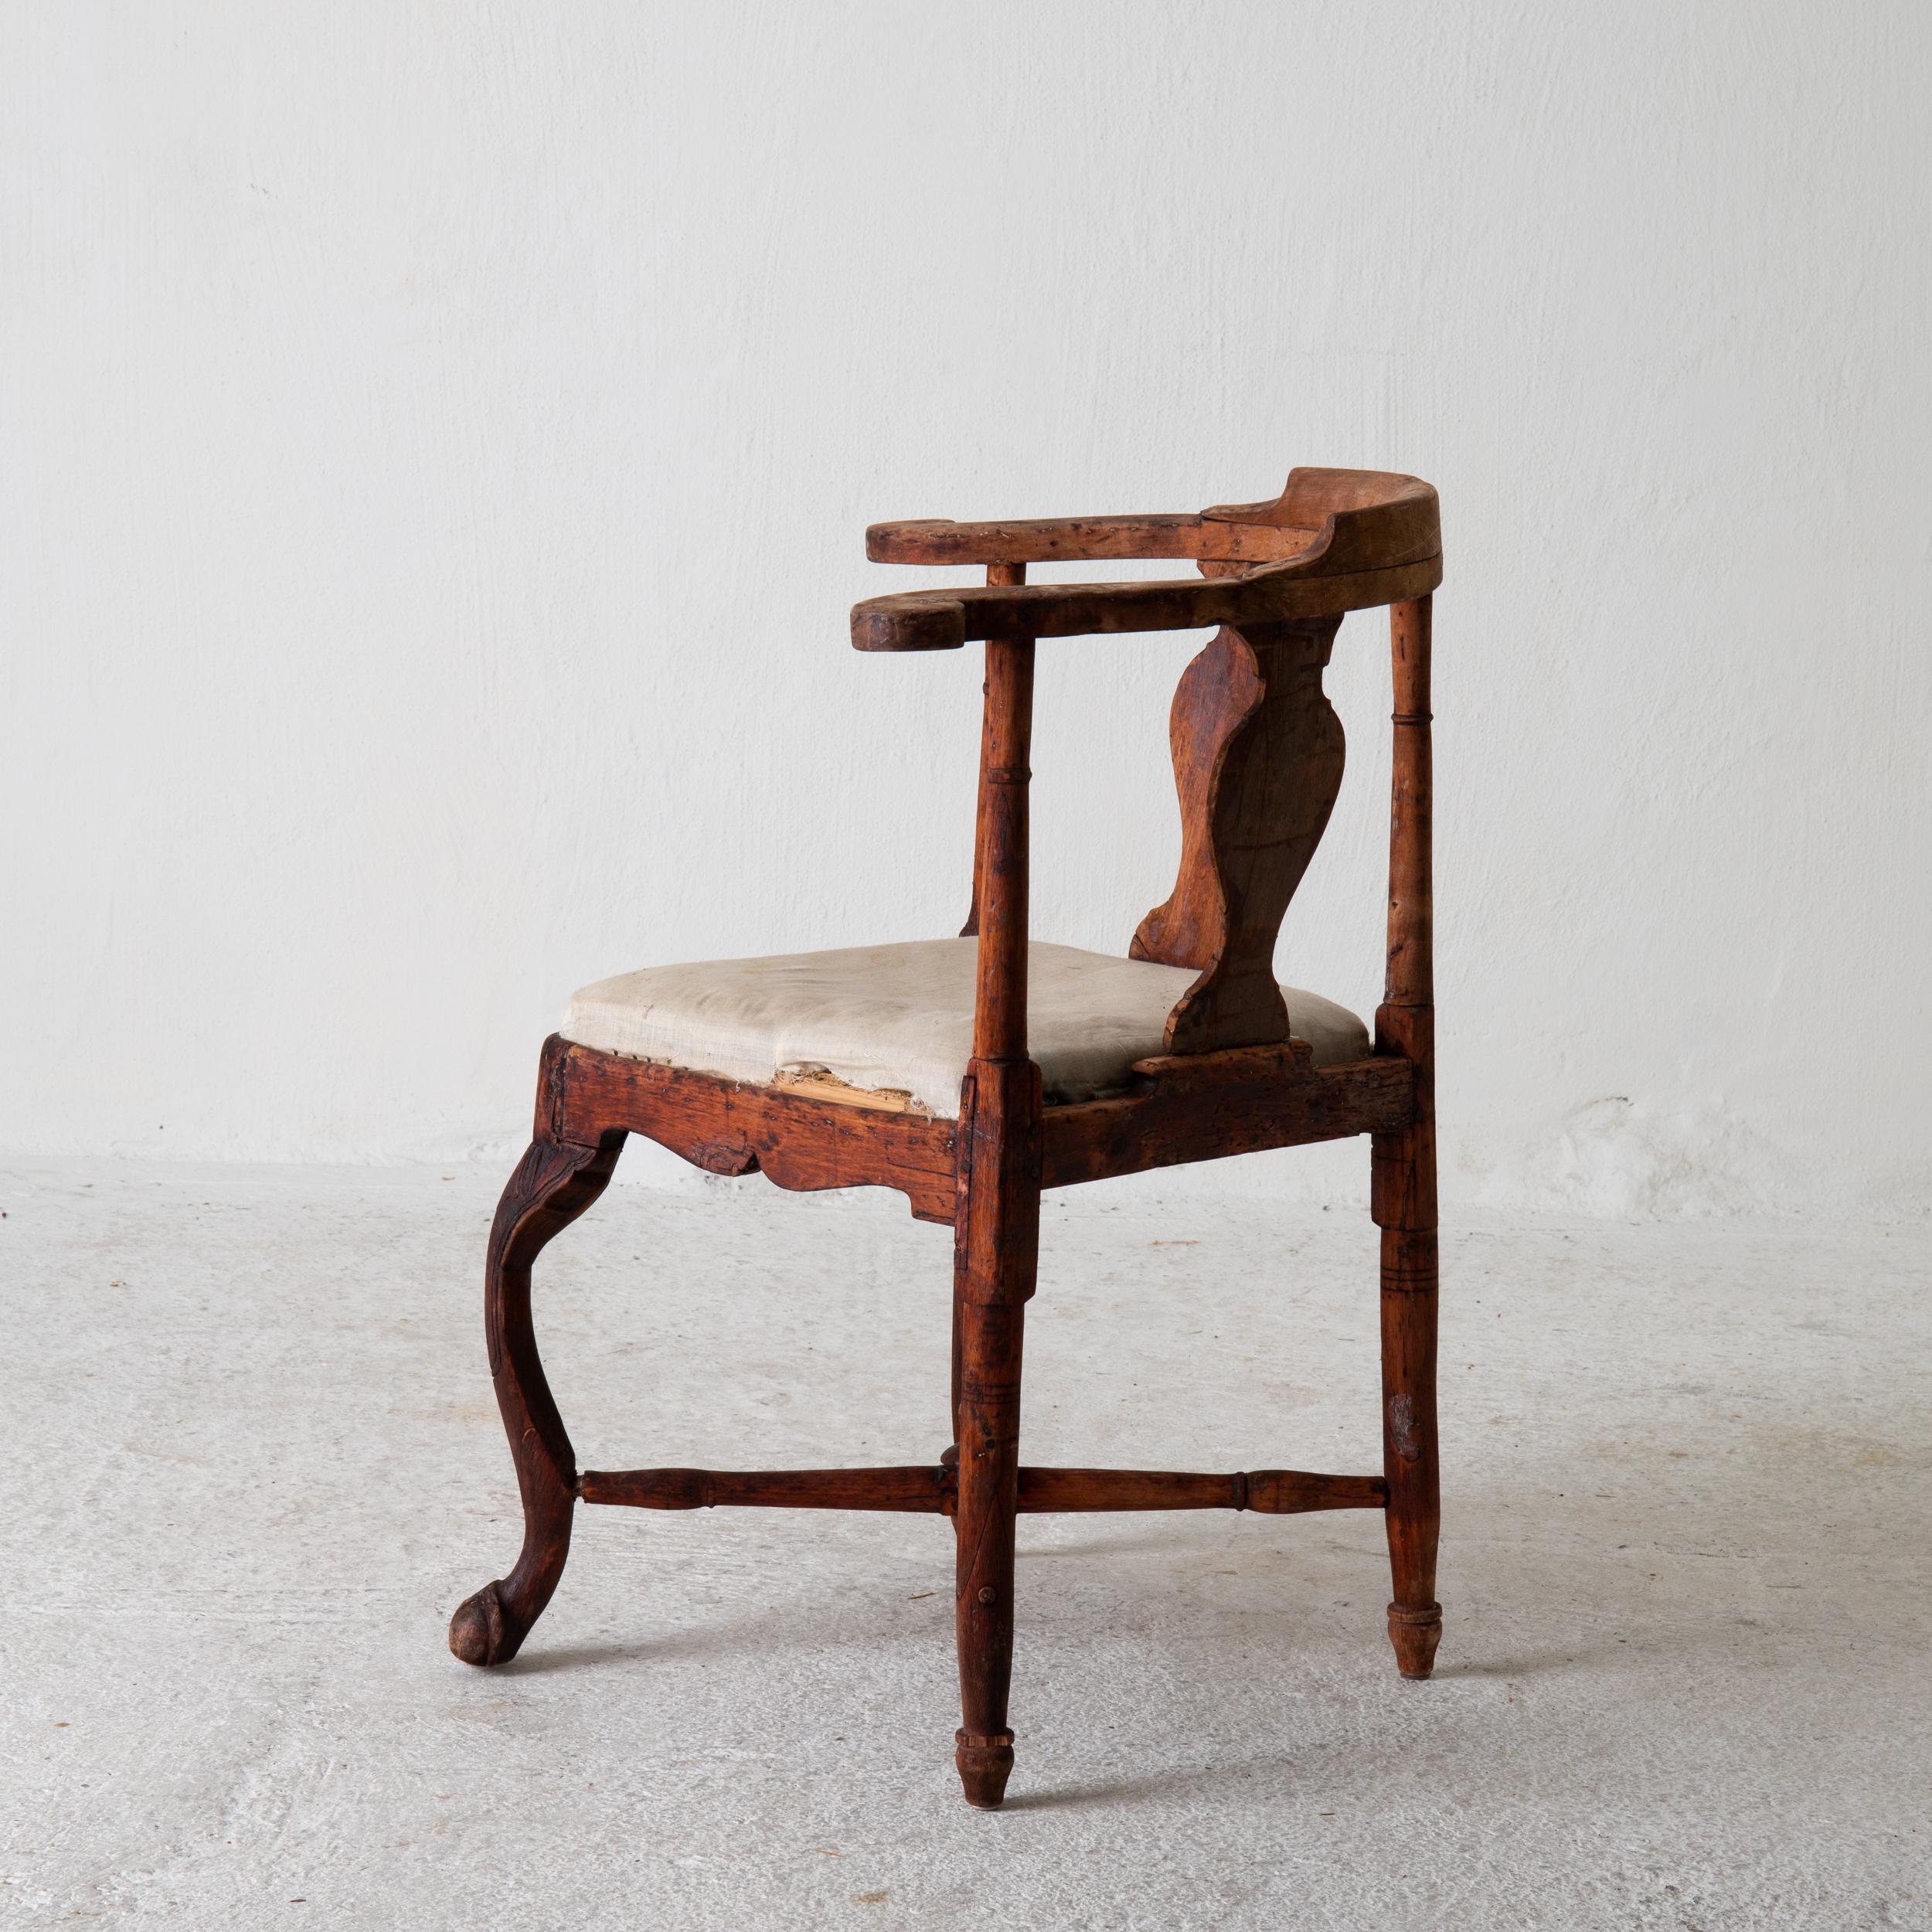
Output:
(437, 440)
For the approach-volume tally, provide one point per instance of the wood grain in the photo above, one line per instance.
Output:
(796, 1140)
(1403, 1190)
(935, 540)
(933, 1489)
(945, 620)
(1258, 757)
(1170, 1126)
(996, 1253)
(553, 1184)
(998, 575)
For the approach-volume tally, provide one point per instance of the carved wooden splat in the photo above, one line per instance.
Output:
(1258, 753)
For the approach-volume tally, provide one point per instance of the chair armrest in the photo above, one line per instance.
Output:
(1077, 539)
(1354, 539)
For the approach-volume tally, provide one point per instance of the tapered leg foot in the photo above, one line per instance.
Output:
(984, 1765)
(1415, 1634)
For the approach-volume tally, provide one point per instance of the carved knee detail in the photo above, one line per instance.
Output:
(553, 1184)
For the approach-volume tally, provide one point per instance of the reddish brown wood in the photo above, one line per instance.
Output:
(1258, 756)
(554, 1183)
(991, 1335)
(1271, 1492)
(1367, 519)
(934, 1489)
(1274, 593)
(1168, 1126)
(732, 1126)
(1077, 540)
(1258, 762)
(995, 1235)
(1334, 540)
(1402, 1194)
(929, 1489)
(1352, 519)
(1265, 1066)
(997, 574)
(999, 1008)
(996, 1250)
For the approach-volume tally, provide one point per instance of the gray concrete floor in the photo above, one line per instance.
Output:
(253, 1462)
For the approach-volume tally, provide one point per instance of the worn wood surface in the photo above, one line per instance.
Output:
(998, 575)
(1353, 519)
(1275, 593)
(1258, 763)
(1258, 757)
(795, 1139)
(995, 1233)
(1402, 1188)
(933, 1489)
(553, 1184)
(1026, 540)
(996, 1252)
(1271, 1492)
(1168, 1126)
(1334, 540)
(1000, 870)
(929, 1489)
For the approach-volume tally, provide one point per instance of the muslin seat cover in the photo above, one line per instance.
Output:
(899, 1018)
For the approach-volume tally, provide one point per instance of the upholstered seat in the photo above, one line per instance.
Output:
(897, 1020)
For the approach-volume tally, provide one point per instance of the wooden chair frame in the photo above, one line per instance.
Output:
(1258, 759)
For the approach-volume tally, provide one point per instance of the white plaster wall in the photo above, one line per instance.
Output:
(437, 440)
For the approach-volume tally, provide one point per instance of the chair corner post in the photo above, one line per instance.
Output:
(1403, 1189)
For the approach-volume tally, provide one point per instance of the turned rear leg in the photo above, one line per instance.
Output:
(988, 1500)
(1403, 1192)
(1409, 1445)
(553, 1184)
(996, 1259)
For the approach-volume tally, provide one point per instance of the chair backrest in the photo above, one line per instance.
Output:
(1257, 747)
(1259, 751)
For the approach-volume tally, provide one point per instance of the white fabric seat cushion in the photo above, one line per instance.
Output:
(898, 1019)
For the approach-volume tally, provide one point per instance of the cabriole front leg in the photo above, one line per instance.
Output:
(1405, 1205)
(554, 1183)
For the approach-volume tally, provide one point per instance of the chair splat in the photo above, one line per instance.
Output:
(1258, 755)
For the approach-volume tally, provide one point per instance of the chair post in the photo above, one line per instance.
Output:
(1404, 1185)
(996, 575)
(996, 1238)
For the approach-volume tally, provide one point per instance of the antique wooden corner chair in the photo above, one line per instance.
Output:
(909, 1066)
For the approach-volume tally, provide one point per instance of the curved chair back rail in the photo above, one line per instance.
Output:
(1257, 748)
(1334, 541)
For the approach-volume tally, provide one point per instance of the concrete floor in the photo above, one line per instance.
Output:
(254, 1463)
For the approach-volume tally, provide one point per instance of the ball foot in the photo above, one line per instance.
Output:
(984, 1765)
(478, 1633)
(1415, 1634)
